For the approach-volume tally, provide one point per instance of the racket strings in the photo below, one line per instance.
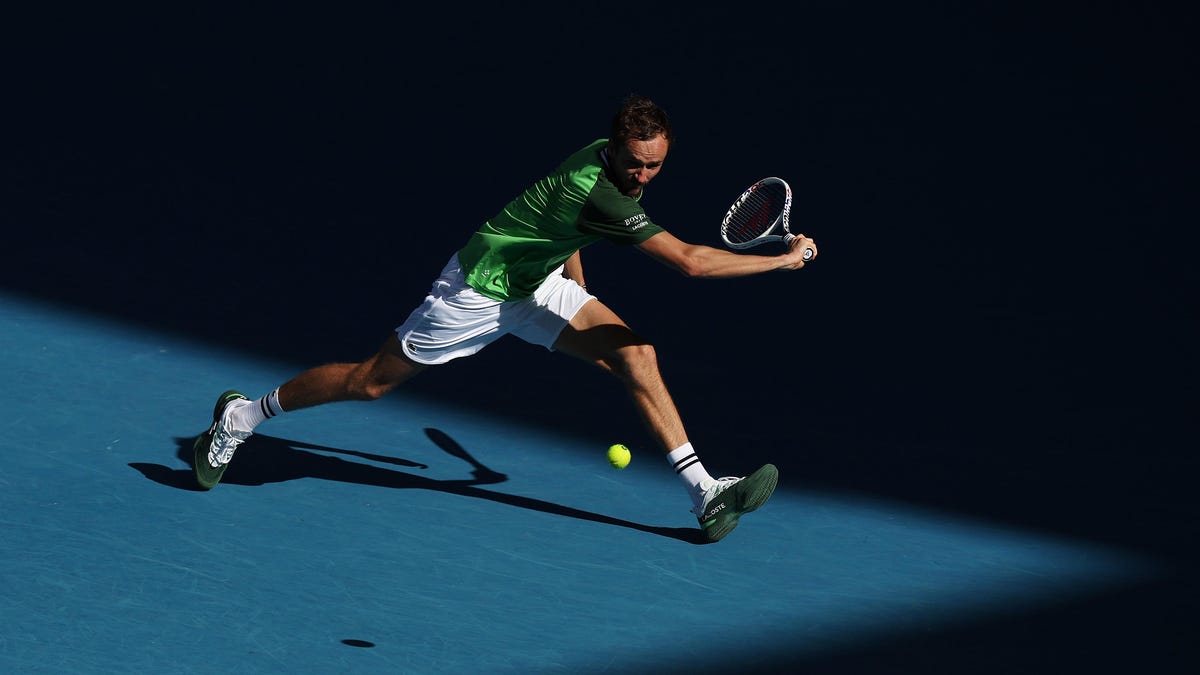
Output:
(756, 214)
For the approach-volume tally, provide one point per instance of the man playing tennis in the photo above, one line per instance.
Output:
(520, 273)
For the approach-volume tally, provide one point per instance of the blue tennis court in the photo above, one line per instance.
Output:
(411, 536)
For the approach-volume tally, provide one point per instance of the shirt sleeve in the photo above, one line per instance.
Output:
(613, 216)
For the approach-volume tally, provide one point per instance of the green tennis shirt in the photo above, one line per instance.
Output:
(576, 205)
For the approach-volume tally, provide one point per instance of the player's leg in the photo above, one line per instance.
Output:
(453, 322)
(235, 417)
(365, 381)
(596, 334)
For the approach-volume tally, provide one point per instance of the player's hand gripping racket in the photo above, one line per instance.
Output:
(760, 216)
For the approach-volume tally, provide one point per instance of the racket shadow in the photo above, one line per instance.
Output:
(268, 459)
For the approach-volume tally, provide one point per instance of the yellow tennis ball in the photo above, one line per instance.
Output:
(618, 455)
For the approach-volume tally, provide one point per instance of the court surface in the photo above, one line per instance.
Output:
(405, 536)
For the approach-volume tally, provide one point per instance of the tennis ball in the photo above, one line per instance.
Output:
(618, 455)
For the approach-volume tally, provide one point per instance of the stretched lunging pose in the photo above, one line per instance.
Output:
(521, 273)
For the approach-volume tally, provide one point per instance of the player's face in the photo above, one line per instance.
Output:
(637, 162)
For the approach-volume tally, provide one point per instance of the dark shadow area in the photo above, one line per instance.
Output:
(1001, 324)
(266, 459)
(1088, 635)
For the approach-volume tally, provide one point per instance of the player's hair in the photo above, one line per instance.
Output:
(640, 119)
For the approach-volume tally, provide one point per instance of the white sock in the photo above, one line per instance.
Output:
(246, 417)
(691, 471)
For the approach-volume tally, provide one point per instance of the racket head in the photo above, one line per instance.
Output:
(753, 216)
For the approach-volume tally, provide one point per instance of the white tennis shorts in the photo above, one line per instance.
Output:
(456, 320)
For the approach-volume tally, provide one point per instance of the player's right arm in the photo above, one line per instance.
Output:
(705, 262)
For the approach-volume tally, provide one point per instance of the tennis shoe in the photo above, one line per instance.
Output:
(728, 499)
(213, 449)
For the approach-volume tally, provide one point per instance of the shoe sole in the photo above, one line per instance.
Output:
(749, 494)
(206, 476)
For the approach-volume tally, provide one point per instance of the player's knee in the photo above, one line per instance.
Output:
(361, 386)
(636, 361)
(373, 391)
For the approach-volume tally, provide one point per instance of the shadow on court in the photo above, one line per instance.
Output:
(267, 459)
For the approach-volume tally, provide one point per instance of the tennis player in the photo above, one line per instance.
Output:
(520, 273)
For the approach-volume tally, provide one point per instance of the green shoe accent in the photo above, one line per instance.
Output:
(748, 494)
(206, 475)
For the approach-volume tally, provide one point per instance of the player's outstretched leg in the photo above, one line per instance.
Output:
(214, 448)
(727, 499)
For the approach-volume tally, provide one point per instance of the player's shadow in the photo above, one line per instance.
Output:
(267, 459)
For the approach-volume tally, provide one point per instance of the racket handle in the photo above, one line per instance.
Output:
(808, 252)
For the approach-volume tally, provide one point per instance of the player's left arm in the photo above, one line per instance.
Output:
(573, 269)
(700, 261)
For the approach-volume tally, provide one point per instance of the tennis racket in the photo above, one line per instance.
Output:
(760, 216)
